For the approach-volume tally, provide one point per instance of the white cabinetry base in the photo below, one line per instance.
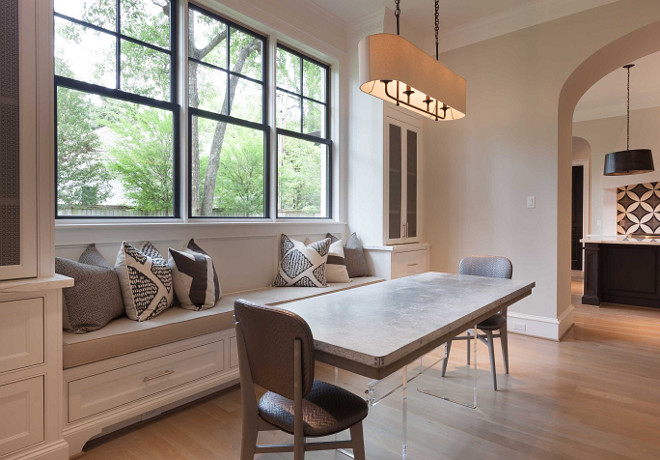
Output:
(220, 375)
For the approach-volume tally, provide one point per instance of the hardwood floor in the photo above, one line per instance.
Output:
(595, 395)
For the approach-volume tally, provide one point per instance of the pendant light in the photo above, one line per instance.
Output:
(628, 162)
(396, 71)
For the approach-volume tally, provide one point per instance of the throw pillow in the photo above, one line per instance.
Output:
(93, 301)
(302, 265)
(92, 256)
(195, 280)
(194, 247)
(145, 279)
(335, 269)
(356, 262)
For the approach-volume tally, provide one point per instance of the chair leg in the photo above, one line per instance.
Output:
(249, 438)
(357, 439)
(444, 361)
(505, 348)
(491, 352)
(298, 448)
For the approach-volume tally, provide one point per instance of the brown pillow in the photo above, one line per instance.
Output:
(356, 262)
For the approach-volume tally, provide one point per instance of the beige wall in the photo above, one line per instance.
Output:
(480, 170)
(609, 135)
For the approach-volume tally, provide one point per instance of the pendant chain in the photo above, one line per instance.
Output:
(397, 13)
(437, 26)
(628, 115)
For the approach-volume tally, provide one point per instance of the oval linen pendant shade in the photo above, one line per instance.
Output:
(392, 68)
(628, 162)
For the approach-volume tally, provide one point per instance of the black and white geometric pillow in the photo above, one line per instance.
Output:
(145, 280)
(196, 283)
(302, 265)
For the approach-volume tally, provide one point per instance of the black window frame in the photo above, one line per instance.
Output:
(327, 140)
(263, 126)
(118, 94)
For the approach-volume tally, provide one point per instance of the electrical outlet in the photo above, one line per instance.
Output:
(519, 327)
(531, 202)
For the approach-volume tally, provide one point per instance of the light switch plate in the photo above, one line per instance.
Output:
(531, 202)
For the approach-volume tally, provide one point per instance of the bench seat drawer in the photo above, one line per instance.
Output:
(107, 390)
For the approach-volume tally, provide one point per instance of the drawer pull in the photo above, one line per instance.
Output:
(412, 265)
(157, 376)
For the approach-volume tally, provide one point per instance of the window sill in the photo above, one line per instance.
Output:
(177, 223)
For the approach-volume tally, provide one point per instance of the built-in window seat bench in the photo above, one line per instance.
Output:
(130, 371)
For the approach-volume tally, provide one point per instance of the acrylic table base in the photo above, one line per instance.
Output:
(378, 390)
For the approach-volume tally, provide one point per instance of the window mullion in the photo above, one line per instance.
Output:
(118, 49)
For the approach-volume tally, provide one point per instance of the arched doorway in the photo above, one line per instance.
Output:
(628, 48)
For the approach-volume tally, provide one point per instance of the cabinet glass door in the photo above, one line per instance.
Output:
(17, 140)
(395, 188)
(10, 209)
(411, 184)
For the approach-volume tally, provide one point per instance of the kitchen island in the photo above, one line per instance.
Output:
(622, 269)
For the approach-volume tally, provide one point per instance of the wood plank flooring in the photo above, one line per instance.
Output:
(595, 395)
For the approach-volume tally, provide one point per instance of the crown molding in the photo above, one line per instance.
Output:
(527, 15)
(371, 23)
(615, 110)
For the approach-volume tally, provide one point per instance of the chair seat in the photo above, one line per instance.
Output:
(495, 322)
(327, 409)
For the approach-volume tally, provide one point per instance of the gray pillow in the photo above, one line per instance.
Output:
(356, 262)
(92, 256)
(93, 301)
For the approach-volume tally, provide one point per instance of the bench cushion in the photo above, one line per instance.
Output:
(123, 336)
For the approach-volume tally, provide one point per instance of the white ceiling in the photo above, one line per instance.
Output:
(607, 98)
(452, 12)
(462, 22)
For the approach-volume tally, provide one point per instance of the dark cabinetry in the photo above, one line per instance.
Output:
(622, 273)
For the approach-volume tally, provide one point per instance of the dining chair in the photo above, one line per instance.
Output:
(493, 327)
(276, 352)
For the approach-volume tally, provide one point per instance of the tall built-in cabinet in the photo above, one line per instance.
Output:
(30, 293)
(386, 193)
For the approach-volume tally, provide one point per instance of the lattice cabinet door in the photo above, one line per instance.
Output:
(18, 140)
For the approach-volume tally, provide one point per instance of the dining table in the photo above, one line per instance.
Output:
(379, 329)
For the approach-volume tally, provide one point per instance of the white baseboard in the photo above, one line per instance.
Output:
(540, 326)
(58, 450)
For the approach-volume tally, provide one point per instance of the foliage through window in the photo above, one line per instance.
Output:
(227, 118)
(116, 114)
(118, 128)
(303, 144)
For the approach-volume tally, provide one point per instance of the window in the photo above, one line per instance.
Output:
(116, 114)
(120, 94)
(228, 134)
(303, 144)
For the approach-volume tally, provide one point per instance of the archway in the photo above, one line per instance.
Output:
(628, 48)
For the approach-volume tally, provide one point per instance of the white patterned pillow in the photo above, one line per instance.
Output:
(302, 265)
(145, 280)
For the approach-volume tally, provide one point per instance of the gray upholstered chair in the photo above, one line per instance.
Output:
(495, 326)
(276, 352)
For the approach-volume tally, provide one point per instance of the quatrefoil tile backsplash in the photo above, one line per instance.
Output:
(638, 209)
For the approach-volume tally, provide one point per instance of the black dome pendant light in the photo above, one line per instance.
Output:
(628, 162)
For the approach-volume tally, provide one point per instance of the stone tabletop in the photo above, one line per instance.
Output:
(379, 324)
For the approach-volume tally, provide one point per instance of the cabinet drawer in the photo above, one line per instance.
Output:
(22, 414)
(21, 333)
(409, 263)
(107, 390)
